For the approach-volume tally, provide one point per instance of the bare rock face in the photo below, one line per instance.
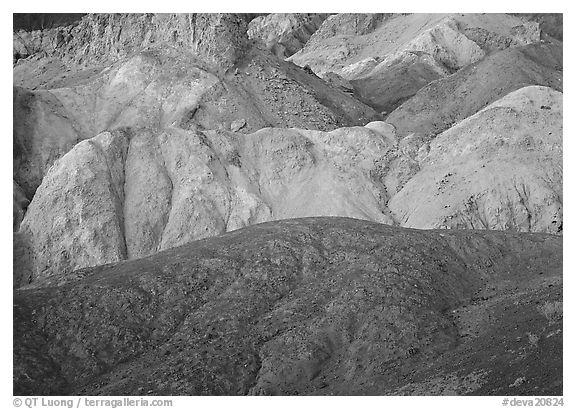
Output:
(166, 87)
(43, 132)
(226, 204)
(156, 190)
(76, 218)
(398, 54)
(551, 24)
(395, 79)
(327, 306)
(285, 33)
(443, 36)
(99, 39)
(444, 102)
(498, 169)
(353, 24)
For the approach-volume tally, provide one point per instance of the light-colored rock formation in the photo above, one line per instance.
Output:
(130, 194)
(76, 218)
(100, 39)
(498, 169)
(439, 105)
(285, 33)
(166, 87)
(388, 60)
(443, 36)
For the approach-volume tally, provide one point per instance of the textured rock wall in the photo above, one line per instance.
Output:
(285, 33)
(76, 218)
(169, 87)
(99, 39)
(130, 194)
(442, 103)
(498, 169)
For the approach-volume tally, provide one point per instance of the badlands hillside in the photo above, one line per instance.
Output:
(287, 204)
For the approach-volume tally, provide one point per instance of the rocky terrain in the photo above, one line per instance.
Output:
(442, 103)
(285, 33)
(388, 58)
(229, 204)
(303, 306)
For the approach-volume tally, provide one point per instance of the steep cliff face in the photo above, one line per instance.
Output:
(100, 39)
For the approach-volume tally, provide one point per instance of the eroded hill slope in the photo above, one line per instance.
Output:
(302, 306)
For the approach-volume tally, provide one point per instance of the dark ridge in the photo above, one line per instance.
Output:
(41, 21)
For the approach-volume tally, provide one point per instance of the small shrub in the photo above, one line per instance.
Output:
(533, 339)
(552, 311)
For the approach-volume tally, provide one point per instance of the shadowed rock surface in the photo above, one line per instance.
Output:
(285, 33)
(396, 79)
(302, 306)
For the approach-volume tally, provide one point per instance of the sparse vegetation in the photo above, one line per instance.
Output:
(533, 339)
(552, 311)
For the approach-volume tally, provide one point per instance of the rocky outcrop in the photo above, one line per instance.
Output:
(399, 54)
(498, 169)
(101, 39)
(551, 24)
(150, 191)
(160, 88)
(335, 46)
(326, 306)
(449, 100)
(349, 24)
(76, 218)
(285, 33)
(396, 79)
(43, 131)
(194, 215)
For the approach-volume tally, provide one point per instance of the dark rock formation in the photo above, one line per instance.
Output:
(308, 306)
